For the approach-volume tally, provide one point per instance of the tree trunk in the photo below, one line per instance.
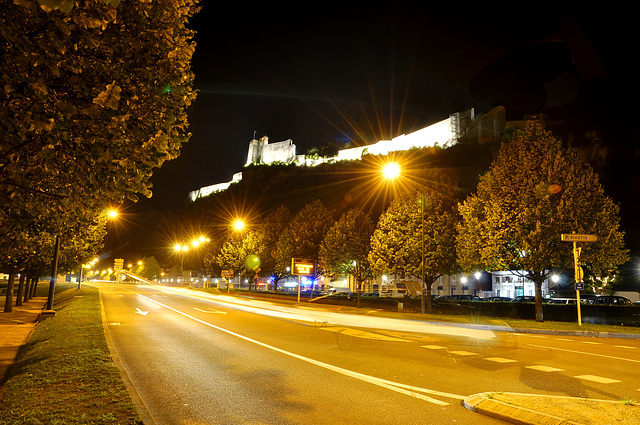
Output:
(27, 289)
(539, 316)
(9, 300)
(34, 286)
(20, 289)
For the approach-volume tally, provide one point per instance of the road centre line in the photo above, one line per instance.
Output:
(394, 386)
(582, 352)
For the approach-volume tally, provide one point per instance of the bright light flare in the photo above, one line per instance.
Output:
(391, 171)
(238, 224)
(113, 213)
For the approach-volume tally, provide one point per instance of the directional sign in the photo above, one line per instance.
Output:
(118, 264)
(572, 237)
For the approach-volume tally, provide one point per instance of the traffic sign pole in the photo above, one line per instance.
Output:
(578, 273)
(578, 276)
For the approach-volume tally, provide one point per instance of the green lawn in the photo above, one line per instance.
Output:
(65, 374)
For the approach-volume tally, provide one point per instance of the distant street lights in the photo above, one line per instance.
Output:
(182, 249)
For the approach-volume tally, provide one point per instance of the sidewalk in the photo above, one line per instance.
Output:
(16, 328)
(530, 409)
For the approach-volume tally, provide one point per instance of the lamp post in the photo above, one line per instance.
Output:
(181, 249)
(111, 214)
(390, 172)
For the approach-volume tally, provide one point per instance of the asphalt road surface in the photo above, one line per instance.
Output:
(195, 359)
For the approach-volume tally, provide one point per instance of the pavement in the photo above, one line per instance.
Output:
(530, 409)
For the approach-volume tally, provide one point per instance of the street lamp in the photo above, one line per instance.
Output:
(390, 172)
(181, 249)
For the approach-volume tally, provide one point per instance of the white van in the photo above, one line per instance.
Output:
(336, 291)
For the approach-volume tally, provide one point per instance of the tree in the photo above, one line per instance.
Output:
(535, 190)
(345, 248)
(270, 230)
(421, 222)
(95, 96)
(231, 256)
(303, 236)
(149, 269)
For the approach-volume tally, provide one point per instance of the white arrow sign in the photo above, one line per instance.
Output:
(144, 313)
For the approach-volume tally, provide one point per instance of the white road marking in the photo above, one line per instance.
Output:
(500, 360)
(598, 379)
(210, 311)
(433, 347)
(463, 353)
(542, 368)
(363, 334)
(591, 342)
(585, 353)
(394, 386)
(623, 346)
(138, 311)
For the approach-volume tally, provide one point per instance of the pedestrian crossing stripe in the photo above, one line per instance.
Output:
(542, 368)
(500, 360)
(463, 353)
(598, 379)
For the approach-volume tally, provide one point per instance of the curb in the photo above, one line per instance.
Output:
(483, 404)
(576, 333)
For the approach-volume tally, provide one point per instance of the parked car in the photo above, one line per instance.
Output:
(370, 295)
(498, 299)
(460, 297)
(524, 299)
(561, 301)
(608, 300)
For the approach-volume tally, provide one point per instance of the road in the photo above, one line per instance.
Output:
(200, 359)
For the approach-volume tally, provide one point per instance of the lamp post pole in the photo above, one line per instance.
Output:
(423, 287)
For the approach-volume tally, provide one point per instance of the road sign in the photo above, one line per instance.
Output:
(572, 237)
(118, 264)
(302, 266)
(579, 286)
(227, 273)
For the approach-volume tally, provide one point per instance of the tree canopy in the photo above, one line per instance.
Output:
(420, 222)
(536, 190)
(345, 248)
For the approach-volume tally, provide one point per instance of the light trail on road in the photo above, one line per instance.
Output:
(321, 316)
(408, 390)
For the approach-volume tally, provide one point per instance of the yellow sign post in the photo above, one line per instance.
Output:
(302, 267)
(578, 272)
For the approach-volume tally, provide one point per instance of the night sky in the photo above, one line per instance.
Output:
(329, 73)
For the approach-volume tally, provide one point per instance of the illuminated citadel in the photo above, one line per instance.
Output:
(445, 133)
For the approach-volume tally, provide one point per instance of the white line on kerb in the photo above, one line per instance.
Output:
(394, 386)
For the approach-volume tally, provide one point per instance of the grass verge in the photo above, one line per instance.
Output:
(65, 374)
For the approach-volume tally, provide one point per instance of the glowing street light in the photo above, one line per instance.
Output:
(390, 172)
(238, 225)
